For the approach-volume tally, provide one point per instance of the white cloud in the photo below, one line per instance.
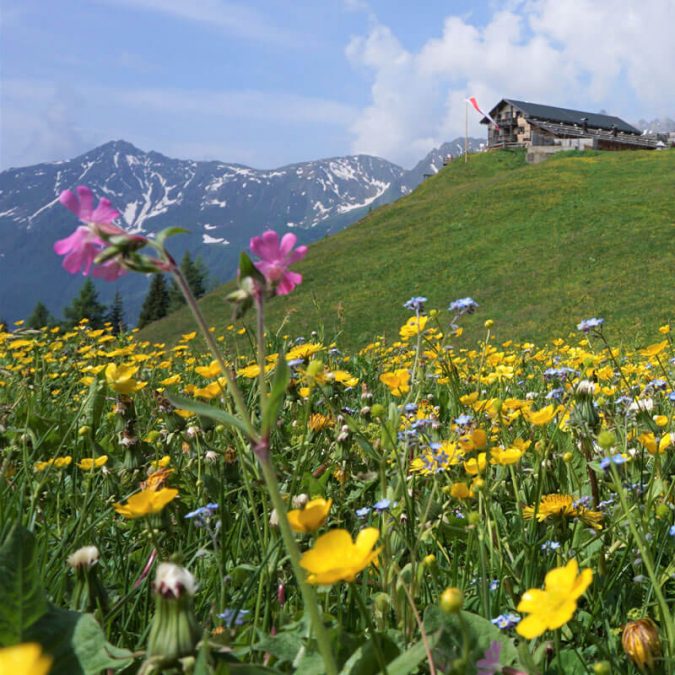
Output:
(584, 54)
(234, 19)
(39, 123)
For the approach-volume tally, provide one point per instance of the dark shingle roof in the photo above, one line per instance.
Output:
(567, 116)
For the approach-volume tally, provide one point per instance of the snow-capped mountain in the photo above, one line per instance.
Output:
(221, 204)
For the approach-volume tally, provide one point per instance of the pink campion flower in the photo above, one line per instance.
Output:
(275, 259)
(85, 243)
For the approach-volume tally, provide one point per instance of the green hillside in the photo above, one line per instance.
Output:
(538, 247)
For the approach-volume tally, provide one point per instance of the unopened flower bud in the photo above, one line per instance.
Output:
(606, 439)
(641, 643)
(88, 593)
(452, 600)
(429, 560)
(174, 632)
(568, 457)
(602, 668)
(281, 594)
(377, 410)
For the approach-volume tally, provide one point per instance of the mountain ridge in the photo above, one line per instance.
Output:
(222, 203)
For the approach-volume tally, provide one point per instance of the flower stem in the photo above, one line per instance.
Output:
(308, 595)
(647, 560)
(213, 348)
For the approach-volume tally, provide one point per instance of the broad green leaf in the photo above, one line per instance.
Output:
(207, 411)
(411, 658)
(22, 599)
(284, 646)
(364, 660)
(282, 376)
(77, 644)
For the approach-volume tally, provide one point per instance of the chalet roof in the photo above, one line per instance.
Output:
(550, 113)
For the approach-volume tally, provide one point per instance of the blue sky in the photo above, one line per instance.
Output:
(270, 82)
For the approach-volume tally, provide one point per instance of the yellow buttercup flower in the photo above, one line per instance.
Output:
(312, 517)
(413, 326)
(146, 502)
(120, 379)
(397, 381)
(335, 557)
(540, 417)
(89, 463)
(655, 349)
(57, 462)
(25, 658)
(555, 605)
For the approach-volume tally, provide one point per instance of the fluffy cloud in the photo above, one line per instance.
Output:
(586, 54)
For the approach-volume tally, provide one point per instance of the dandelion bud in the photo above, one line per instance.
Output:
(452, 600)
(88, 593)
(489, 323)
(568, 457)
(641, 643)
(174, 632)
(602, 668)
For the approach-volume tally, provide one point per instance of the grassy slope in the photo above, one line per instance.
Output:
(539, 247)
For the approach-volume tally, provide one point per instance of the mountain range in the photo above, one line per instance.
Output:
(221, 204)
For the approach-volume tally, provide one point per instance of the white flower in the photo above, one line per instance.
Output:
(644, 404)
(300, 501)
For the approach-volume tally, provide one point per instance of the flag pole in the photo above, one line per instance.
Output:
(466, 131)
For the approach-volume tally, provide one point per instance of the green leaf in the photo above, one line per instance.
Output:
(411, 658)
(77, 644)
(284, 646)
(22, 599)
(164, 234)
(207, 411)
(248, 269)
(364, 660)
(282, 376)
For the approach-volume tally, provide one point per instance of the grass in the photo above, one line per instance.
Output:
(538, 247)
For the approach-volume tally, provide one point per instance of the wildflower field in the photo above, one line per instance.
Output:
(420, 505)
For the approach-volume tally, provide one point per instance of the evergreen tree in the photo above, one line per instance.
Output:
(116, 315)
(40, 317)
(156, 303)
(195, 274)
(86, 306)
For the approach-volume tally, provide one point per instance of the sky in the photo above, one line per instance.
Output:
(271, 82)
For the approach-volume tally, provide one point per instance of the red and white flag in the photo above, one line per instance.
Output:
(474, 103)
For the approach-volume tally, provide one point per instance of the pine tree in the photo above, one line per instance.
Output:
(195, 274)
(86, 306)
(156, 303)
(116, 315)
(40, 317)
